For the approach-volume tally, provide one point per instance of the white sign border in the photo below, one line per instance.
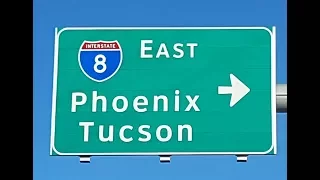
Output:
(273, 93)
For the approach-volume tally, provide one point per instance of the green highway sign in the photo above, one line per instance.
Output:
(164, 91)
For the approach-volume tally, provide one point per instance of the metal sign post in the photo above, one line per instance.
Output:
(281, 98)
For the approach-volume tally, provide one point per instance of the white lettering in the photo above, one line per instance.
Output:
(124, 105)
(156, 100)
(121, 133)
(101, 134)
(95, 99)
(180, 132)
(192, 47)
(144, 48)
(176, 100)
(169, 133)
(145, 133)
(177, 48)
(86, 126)
(163, 133)
(75, 103)
(192, 103)
(163, 51)
(143, 102)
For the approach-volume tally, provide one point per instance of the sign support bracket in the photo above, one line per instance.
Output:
(165, 159)
(84, 159)
(242, 158)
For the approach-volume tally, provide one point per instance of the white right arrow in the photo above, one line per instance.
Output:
(237, 90)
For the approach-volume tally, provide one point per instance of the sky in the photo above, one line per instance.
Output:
(49, 14)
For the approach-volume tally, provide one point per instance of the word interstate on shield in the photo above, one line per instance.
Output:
(101, 60)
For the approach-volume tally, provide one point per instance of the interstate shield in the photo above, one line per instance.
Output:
(100, 60)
